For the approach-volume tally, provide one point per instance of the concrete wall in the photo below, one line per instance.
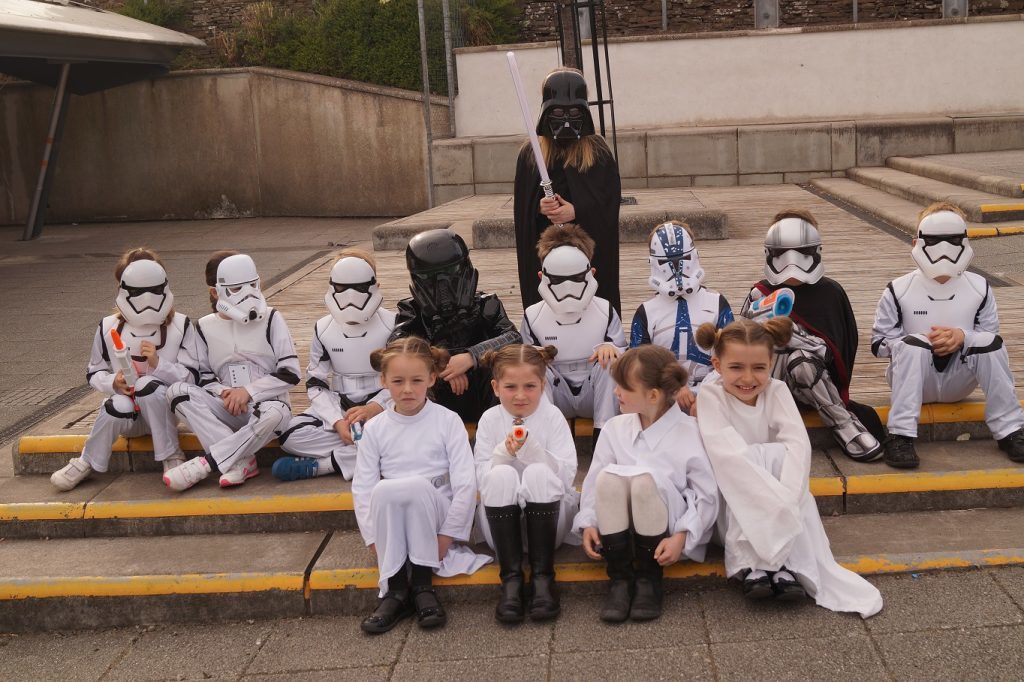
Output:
(910, 69)
(236, 142)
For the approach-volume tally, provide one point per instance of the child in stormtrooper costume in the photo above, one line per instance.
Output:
(584, 328)
(158, 342)
(681, 304)
(343, 388)
(817, 362)
(939, 327)
(247, 363)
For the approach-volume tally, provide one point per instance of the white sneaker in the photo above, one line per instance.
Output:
(71, 475)
(240, 473)
(174, 461)
(184, 476)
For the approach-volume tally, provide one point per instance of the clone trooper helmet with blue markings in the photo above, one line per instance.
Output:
(792, 250)
(238, 290)
(942, 248)
(353, 294)
(567, 282)
(144, 297)
(675, 264)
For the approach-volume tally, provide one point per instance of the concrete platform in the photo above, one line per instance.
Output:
(993, 172)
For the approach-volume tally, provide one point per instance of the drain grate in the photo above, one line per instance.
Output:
(30, 396)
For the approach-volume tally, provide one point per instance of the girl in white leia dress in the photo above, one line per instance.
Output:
(649, 488)
(414, 488)
(773, 536)
(525, 466)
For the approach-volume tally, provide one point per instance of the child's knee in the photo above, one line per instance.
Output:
(911, 346)
(273, 413)
(119, 407)
(643, 487)
(149, 389)
(611, 488)
(499, 487)
(540, 484)
(177, 394)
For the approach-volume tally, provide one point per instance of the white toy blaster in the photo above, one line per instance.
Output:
(519, 431)
(122, 360)
(357, 431)
(779, 303)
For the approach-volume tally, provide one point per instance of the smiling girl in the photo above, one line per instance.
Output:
(756, 440)
(525, 464)
(414, 489)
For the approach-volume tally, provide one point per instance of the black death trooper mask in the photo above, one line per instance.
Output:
(565, 113)
(443, 278)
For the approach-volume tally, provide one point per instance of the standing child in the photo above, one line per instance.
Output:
(681, 303)
(761, 455)
(649, 486)
(584, 328)
(344, 390)
(247, 363)
(156, 342)
(525, 465)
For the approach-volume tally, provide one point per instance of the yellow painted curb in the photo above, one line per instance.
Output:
(35, 445)
(985, 232)
(876, 565)
(272, 504)
(977, 479)
(1001, 208)
(831, 486)
(148, 585)
(42, 511)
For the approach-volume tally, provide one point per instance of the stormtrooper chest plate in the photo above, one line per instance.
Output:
(925, 303)
(167, 339)
(349, 348)
(231, 343)
(575, 341)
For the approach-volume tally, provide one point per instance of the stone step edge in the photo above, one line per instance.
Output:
(954, 175)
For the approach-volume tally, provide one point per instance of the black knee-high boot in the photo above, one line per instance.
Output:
(541, 531)
(617, 550)
(647, 601)
(508, 545)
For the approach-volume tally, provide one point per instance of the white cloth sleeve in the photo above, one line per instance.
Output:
(587, 515)
(367, 475)
(185, 367)
(701, 495)
(791, 433)
(986, 323)
(459, 521)
(322, 399)
(887, 325)
(489, 448)
(286, 371)
(613, 335)
(100, 373)
(207, 378)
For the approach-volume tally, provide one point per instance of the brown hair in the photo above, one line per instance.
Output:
(360, 254)
(211, 272)
(681, 223)
(801, 213)
(940, 206)
(652, 366)
(517, 354)
(771, 333)
(569, 234)
(436, 359)
(132, 255)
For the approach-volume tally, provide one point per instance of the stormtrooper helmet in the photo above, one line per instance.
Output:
(238, 290)
(675, 264)
(567, 281)
(792, 250)
(942, 248)
(144, 298)
(353, 294)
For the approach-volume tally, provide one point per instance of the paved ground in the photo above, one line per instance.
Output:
(954, 625)
(1009, 163)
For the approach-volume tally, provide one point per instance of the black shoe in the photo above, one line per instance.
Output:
(1013, 445)
(757, 588)
(647, 593)
(541, 530)
(508, 545)
(787, 589)
(617, 550)
(392, 609)
(429, 612)
(900, 452)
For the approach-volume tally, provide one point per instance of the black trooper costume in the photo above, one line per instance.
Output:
(447, 311)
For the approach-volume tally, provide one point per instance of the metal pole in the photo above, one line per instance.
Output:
(664, 15)
(428, 129)
(37, 212)
(855, 11)
(597, 69)
(449, 65)
(608, 75)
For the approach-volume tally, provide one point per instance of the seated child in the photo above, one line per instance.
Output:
(414, 489)
(584, 328)
(650, 486)
(525, 465)
(447, 311)
(818, 362)
(940, 329)
(247, 363)
(681, 303)
(761, 455)
(158, 342)
(344, 390)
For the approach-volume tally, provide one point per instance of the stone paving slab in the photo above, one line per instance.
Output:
(1008, 163)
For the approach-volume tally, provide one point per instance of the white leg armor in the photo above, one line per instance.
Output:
(304, 436)
(265, 419)
(595, 398)
(117, 417)
(204, 413)
(991, 369)
(151, 397)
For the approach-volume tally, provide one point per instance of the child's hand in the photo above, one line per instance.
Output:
(120, 385)
(148, 351)
(946, 340)
(457, 366)
(592, 543)
(236, 400)
(459, 384)
(363, 413)
(686, 400)
(558, 210)
(669, 549)
(512, 445)
(604, 354)
(443, 543)
(344, 431)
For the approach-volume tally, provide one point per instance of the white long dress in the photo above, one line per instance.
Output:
(762, 460)
(430, 446)
(670, 450)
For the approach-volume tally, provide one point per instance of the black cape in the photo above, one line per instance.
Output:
(596, 196)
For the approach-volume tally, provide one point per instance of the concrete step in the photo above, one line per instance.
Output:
(981, 207)
(925, 166)
(902, 213)
(106, 582)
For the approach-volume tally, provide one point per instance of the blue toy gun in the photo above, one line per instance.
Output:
(779, 303)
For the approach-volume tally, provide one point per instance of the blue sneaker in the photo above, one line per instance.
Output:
(294, 468)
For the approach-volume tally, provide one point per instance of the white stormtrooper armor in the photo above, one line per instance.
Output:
(166, 337)
(238, 290)
(238, 353)
(567, 283)
(144, 297)
(675, 263)
(942, 248)
(925, 303)
(348, 347)
(792, 250)
(353, 294)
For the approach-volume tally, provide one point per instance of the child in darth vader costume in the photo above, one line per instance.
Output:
(447, 311)
(939, 327)
(584, 177)
(817, 363)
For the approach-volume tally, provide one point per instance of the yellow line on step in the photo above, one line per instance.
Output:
(147, 585)
(976, 479)
(219, 506)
